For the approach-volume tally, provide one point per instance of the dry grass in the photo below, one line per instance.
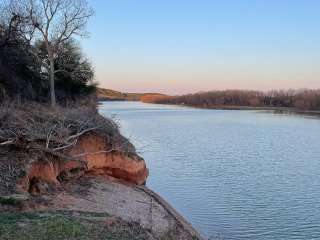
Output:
(32, 132)
(55, 129)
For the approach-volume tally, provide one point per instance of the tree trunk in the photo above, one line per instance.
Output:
(52, 89)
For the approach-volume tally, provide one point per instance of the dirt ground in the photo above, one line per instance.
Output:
(131, 203)
(92, 203)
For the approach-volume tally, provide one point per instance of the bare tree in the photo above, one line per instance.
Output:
(14, 23)
(56, 21)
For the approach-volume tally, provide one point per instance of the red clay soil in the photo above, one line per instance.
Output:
(93, 156)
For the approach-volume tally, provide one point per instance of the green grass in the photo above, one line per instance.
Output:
(8, 201)
(31, 227)
(13, 200)
(13, 218)
(62, 226)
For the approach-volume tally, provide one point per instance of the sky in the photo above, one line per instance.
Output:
(185, 46)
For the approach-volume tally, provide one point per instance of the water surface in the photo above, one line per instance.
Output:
(232, 174)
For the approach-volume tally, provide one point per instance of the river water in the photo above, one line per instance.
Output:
(232, 174)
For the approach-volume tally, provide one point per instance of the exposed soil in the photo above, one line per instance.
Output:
(136, 206)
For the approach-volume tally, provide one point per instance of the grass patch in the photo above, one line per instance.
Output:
(13, 199)
(8, 201)
(62, 226)
(36, 228)
(13, 218)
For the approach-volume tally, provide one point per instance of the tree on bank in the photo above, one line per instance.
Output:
(74, 74)
(56, 22)
(19, 69)
(25, 65)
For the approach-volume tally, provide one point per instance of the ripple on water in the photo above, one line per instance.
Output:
(232, 174)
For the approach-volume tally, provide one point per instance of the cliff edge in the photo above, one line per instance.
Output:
(74, 164)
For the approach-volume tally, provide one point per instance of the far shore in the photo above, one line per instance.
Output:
(275, 109)
(281, 101)
(248, 108)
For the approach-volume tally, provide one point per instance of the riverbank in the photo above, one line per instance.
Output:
(302, 101)
(249, 108)
(291, 101)
(62, 163)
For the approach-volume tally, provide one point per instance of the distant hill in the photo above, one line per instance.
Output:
(112, 95)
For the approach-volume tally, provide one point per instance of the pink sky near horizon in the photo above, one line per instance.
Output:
(177, 80)
(178, 47)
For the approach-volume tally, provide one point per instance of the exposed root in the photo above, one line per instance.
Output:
(32, 133)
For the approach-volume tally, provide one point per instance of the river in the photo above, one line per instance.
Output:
(232, 174)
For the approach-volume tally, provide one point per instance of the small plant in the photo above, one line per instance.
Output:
(13, 199)
(8, 201)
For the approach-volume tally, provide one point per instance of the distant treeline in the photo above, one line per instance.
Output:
(299, 99)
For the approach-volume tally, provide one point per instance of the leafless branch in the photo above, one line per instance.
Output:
(66, 146)
(10, 141)
(81, 133)
(98, 152)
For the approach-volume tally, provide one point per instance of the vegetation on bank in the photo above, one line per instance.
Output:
(31, 132)
(40, 60)
(67, 225)
(55, 129)
(62, 225)
(306, 100)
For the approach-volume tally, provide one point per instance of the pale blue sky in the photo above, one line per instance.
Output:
(182, 46)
